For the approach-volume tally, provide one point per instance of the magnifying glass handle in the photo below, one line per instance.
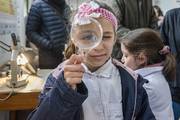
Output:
(85, 67)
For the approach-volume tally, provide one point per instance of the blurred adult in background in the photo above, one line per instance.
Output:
(170, 34)
(48, 28)
(132, 14)
(159, 15)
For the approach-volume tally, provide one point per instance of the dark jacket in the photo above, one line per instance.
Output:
(170, 35)
(59, 102)
(47, 27)
(134, 14)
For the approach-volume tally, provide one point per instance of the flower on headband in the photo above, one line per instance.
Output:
(88, 6)
(87, 9)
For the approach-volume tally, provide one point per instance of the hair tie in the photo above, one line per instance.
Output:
(165, 50)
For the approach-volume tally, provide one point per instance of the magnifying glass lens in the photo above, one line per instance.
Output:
(87, 35)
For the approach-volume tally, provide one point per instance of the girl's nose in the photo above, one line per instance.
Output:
(99, 46)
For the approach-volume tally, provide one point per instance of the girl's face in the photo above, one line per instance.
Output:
(132, 61)
(96, 57)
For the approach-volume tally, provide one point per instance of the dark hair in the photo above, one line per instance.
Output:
(149, 42)
(159, 11)
(71, 49)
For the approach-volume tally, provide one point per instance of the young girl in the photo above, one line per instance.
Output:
(110, 92)
(144, 52)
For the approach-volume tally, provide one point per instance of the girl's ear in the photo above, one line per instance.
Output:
(142, 59)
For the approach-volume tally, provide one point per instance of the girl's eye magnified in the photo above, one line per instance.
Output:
(88, 37)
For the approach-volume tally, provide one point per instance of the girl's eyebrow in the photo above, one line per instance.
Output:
(87, 31)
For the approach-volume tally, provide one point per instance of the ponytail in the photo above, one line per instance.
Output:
(169, 69)
(69, 50)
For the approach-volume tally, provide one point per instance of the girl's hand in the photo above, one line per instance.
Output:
(73, 70)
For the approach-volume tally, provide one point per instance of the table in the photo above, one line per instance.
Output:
(24, 98)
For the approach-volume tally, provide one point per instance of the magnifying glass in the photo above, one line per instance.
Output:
(86, 34)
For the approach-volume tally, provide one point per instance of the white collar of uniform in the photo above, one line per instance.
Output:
(148, 70)
(106, 69)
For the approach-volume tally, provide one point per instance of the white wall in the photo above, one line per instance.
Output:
(166, 5)
(74, 3)
(12, 23)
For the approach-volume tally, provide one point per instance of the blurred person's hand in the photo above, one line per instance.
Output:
(160, 20)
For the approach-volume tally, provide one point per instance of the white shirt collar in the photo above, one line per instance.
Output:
(106, 69)
(148, 70)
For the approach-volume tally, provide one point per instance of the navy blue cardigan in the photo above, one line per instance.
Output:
(59, 102)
